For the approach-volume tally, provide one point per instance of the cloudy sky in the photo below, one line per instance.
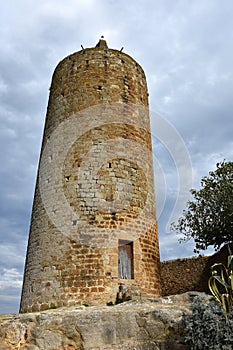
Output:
(185, 48)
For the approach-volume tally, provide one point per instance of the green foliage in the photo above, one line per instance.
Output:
(221, 283)
(208, 218)
(207, 327)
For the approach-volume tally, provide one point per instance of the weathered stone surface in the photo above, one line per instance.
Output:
(95, 187)
(151, 325)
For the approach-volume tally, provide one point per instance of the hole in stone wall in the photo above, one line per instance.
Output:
(74, 222)
(109, 165)
(92, 220)
(26, 335)
(99, 88)
(125, 259)
(109, 197)
(113, 215)
(67, 178)
(72, 67)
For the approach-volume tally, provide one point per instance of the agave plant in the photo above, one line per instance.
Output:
(221, 283)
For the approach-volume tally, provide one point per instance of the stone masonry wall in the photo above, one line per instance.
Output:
(95, 185)
(183, 275)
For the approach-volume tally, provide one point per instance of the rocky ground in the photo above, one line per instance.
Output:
(134, 325)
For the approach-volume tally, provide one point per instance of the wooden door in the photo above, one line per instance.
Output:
(125, 259)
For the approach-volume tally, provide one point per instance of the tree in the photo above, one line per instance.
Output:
(208, 218)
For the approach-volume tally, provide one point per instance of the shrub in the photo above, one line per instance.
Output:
(221, 283)
(207, 327)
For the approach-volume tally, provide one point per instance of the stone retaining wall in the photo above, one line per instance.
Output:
(183, 275)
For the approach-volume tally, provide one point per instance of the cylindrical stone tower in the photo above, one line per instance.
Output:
(93, 235)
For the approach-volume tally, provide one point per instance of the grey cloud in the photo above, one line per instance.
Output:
(10, 289)
(185, 50)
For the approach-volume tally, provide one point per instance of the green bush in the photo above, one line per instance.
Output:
(207, 327)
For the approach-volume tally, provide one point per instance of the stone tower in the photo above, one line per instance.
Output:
(93, 226)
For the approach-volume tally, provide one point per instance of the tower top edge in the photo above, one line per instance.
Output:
(100, 47)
